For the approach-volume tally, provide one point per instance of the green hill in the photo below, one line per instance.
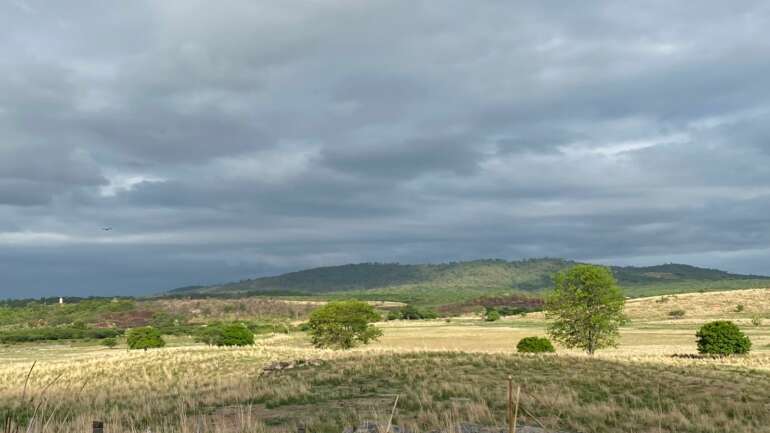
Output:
(457, 281)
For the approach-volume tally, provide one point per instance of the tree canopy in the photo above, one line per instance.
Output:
(343, 324)
(586, 307)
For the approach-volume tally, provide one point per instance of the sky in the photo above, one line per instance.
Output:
(241, 138)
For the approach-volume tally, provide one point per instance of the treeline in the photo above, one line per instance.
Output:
(29, 335)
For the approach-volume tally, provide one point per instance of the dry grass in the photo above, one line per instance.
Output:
(700, 307)
(444, 372)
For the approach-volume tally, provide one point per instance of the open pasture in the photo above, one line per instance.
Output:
(445, 371)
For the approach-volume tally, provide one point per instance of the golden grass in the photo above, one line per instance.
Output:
(445, 372)
(699, 307)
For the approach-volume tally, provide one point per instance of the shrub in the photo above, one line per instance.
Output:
(144, 338)
(676, 314)
(110, 342)
(491, 315)
(756, 320)
(343, 324)
(411, 312)
(722, 338)
(535, 345)
(739, 308)
(232, 335)
(393, 315)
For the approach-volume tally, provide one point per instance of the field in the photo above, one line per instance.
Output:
(444, 372)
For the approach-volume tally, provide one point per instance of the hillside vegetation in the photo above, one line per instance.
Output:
(437, 284)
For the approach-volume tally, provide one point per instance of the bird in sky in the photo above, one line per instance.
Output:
(107, 229)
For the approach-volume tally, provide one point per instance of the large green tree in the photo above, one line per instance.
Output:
(586, 308)
(343, 325)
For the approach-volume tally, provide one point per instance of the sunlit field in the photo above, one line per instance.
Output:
(445, 372)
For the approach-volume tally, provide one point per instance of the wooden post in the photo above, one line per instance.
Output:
(97, 427)
(516, 408)
(511, 427)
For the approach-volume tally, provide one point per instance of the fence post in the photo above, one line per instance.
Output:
(97, 427)
(510, 405)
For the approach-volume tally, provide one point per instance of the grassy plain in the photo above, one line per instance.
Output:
(444, 372)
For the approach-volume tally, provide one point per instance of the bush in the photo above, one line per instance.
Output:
(676, 314)
(491, 315)
(756, 320)
(722, 338)
(228, 335)
(144, 338)
(535, 345)
(739, 308)
(110, 342)
(411, 312)
(343, 324)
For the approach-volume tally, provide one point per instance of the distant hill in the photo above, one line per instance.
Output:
(456, 281)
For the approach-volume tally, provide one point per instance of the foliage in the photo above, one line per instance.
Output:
(27, 335)
(144, 338)
(722, 338)
(110, 342)
(49, 313)
(586, 307)
(739, 308)
(410, 312)
(233, 334)
(343, 324)
(535, 345)
(491, 315)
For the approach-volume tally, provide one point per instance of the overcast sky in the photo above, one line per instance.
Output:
(232, 139)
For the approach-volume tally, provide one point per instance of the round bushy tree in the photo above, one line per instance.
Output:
(343, 324)
(144, 338)
(722, 338)
(233, 335)
(586, 308)
(535, 345)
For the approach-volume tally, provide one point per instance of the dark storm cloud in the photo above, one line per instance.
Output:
(257, 137)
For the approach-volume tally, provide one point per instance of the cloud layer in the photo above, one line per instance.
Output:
(254, 137)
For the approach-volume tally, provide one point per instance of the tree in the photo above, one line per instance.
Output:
(144, 338)
(722, 338)
(586, 307)
(343, 324)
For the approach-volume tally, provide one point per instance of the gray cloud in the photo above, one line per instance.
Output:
(259, 137)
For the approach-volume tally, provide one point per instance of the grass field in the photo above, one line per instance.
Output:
(444, 372)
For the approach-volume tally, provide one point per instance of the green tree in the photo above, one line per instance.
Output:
(722, 338)
(343, 324)
(586, 307)
(110, 342)
(144, 338)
